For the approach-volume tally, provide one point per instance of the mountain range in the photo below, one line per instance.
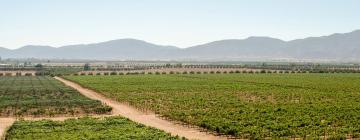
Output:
(335, 47)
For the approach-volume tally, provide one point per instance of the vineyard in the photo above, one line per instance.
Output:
(85, 128)
(309, 106)
(43, 96)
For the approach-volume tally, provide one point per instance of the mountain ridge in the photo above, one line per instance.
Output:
(338, 46)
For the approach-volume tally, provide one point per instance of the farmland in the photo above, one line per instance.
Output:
(244, 105)
(85, 128)
(43, 96)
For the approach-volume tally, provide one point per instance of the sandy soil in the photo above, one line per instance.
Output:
(148, 119)
(4, 124)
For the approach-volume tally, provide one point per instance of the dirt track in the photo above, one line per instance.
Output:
(143, 118)
(4, 124)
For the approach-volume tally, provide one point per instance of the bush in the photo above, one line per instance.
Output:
(192, 72)
(121, 73)
(106, 73)
(27, 74)
(231, 72)
(171, 72)
(157, 73)
(237, 71)
(205, 72)
(83, 74)
(244, 71)
(90, 74)
(98, 73)
(1, 74)
(149, 73)
(262, 71)
(185, 72)
(113, 73)
(212, 72)
(218, 72)
(199, 72)
(163, 72)
(75, 74)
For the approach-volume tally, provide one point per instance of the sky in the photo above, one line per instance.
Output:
(182, 23)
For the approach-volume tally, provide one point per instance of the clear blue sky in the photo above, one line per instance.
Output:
(170, 22)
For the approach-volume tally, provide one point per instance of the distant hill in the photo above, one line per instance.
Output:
(338, 47)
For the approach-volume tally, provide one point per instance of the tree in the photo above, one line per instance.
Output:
(87, 67)
(39, 66)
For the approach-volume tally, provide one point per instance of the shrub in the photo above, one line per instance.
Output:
(90, 74)
(106, 73)
(157, 73)
(98, 73)
(113, 73)
(149, 73)
(83, 74)
(164, 72)
(185, 72)
(231, 72)
(205, 72)
(218, 72)
(28, 74)
(212, 72)
(262, 71)
(1, 74)
(199, 72)
(171, 72)
(237, 71)
(192, 72)
(121, 73)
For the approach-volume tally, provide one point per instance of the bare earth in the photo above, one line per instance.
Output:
(4, 124)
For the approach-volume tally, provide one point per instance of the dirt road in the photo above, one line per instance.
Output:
(4, 124)
(143, 118)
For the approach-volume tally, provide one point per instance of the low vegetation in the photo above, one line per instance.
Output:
(309, 106)
(85, 128)
(43, 96)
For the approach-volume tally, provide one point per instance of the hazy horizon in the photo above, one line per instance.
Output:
(178, 23)
(181, 47)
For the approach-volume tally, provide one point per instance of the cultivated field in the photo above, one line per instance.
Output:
(245, 105)
(84, 128)
(43, 96)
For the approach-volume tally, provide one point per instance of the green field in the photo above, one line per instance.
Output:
(85, 128)
(43, 96)
(245, 105)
